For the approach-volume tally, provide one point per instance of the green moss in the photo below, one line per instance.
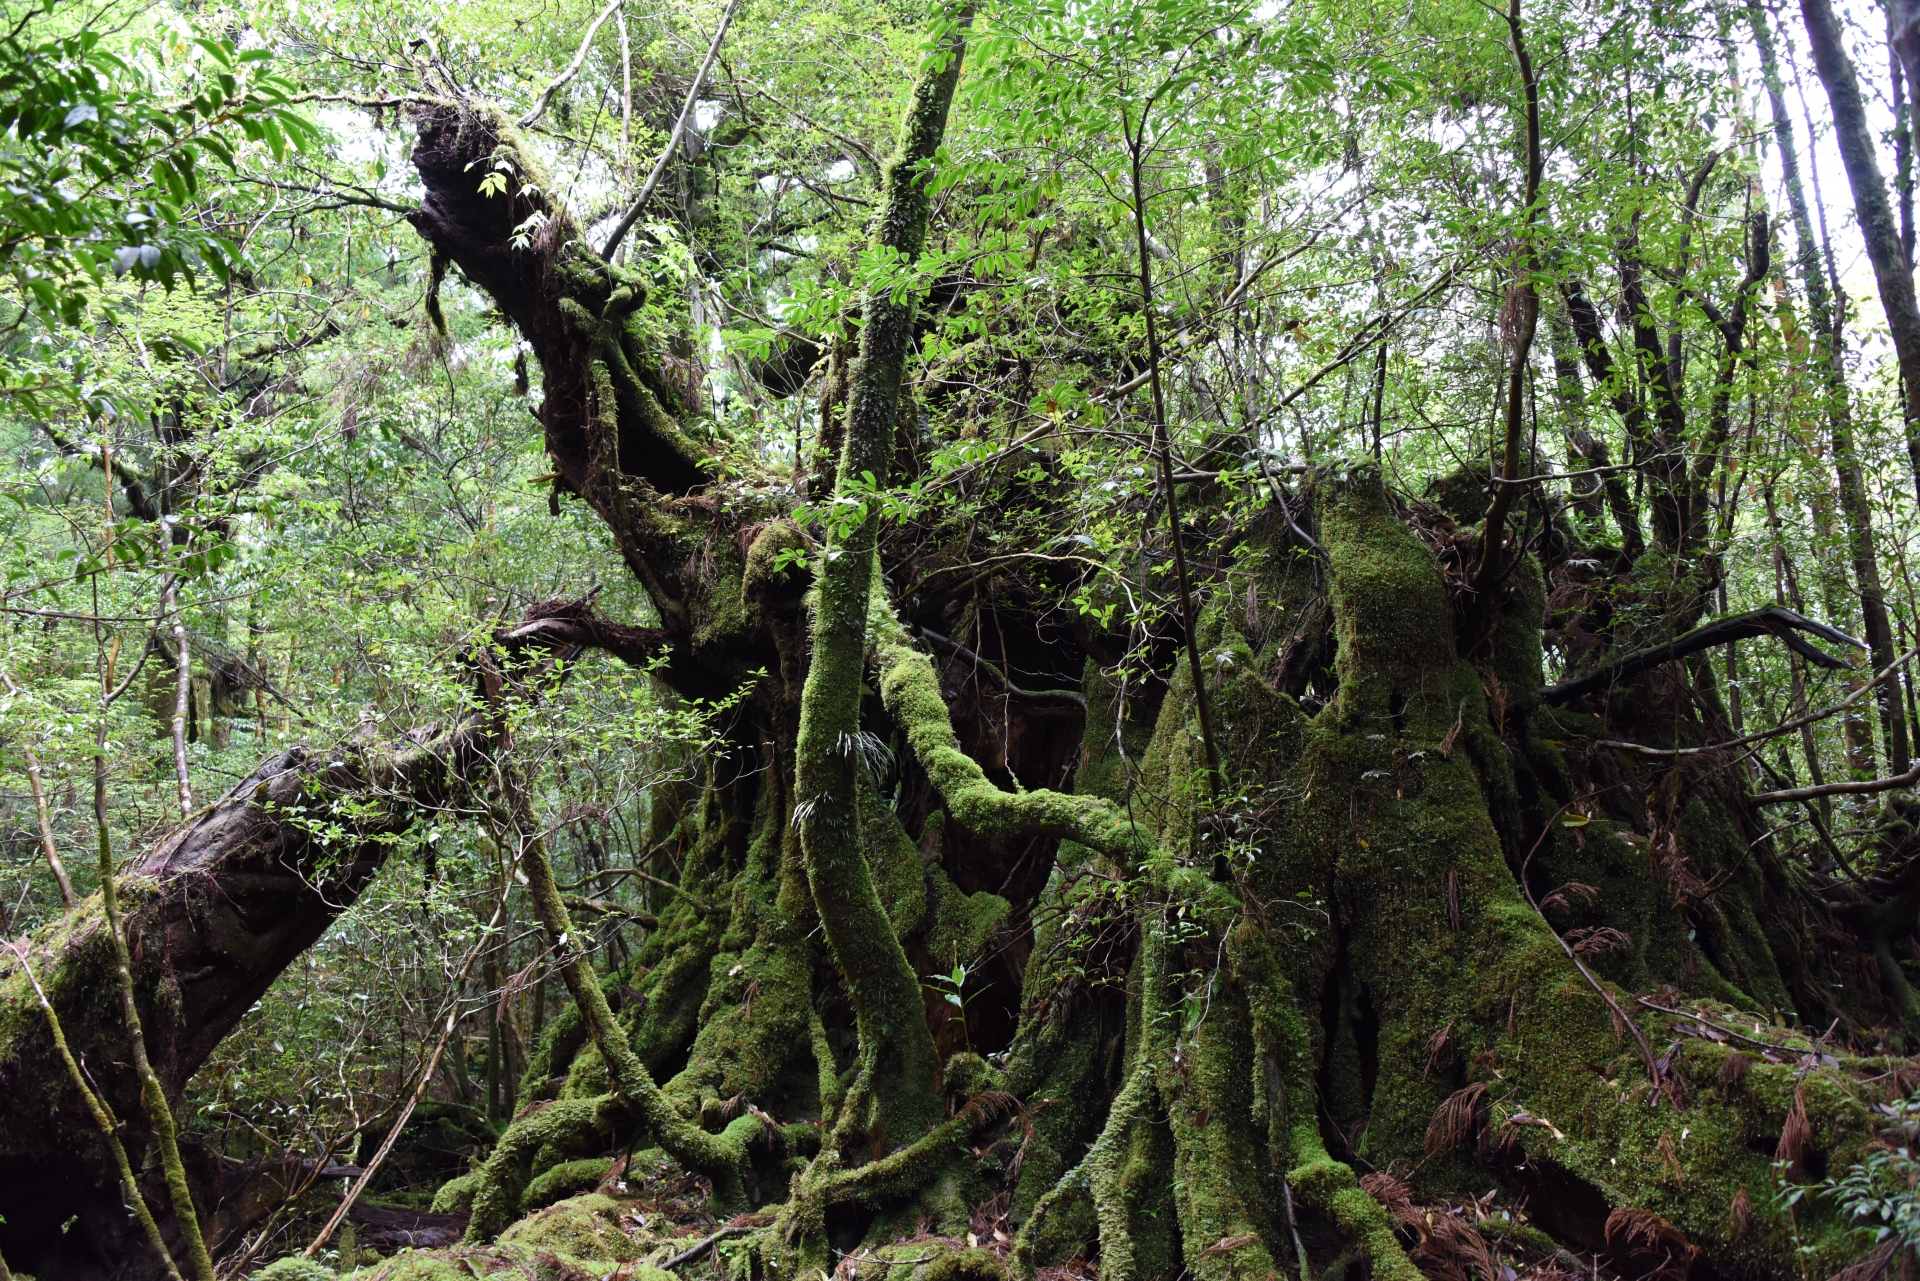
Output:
(567, 1125)
(963, 924)
(754, 1040)
(583, 1227)
(964, 1265)
(565, 1180)
(897, 874)
(775, 574)
(911, 692)
(294, 1268)
(1386, 820)
(411, 1265)
(455, 1196)
(586, 1075)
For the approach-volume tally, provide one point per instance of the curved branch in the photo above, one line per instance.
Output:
(673, 143)
(1907, 779)
(573, 68)
(1774, 620)
(1784, 727)
(910, 691)
(577, 625)
(1031, 695)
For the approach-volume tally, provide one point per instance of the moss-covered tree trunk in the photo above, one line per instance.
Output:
(213, 913)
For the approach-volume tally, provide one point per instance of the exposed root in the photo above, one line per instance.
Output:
(891, 1178)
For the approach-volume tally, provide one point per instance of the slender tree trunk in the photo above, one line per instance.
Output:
(1572, 398)
(898, 1071)
(1584, 318)
(1902, 146)
(183, 690)
(1877, 227)
(153, 1093)
(1786, 588)
(103, 1118)
(1163, 447)
(1829, 360)
(47, 845)
(1523, 304)
(1903, 39)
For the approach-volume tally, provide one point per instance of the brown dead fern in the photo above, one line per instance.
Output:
(1456, 1121)
(1642, 1242)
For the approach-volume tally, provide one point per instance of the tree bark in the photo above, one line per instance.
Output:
(898, 1074)
(1829, 357)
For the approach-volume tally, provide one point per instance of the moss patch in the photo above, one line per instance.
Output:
(587, 1227)
(294, 1268)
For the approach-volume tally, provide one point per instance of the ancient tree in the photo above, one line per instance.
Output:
(1433, 923)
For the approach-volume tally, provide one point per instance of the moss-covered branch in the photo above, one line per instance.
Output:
(910, 689)
(718, 1156)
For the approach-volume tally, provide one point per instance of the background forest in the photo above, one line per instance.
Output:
(1610, 304)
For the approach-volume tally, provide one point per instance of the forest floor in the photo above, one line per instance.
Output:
(645, 1220)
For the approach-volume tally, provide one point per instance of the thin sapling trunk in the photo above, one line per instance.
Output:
(159, 1110)
(1163, 447)
(1523, 308)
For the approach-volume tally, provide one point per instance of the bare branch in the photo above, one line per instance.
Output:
(1774, 620)
(673, 143)
(573, 68)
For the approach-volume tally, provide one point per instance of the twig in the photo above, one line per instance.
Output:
(159, 1109)
(46, 832)
(1839, 789)
(1703, 1022)
(1190, 338)
(693, 1251)
(1372, 332)
(1773, 620)
(573, 68)
(1820, 830)
(673, 142)
(1280, 497)
(40, 810)
(594, 907)
(1523, 308)
(1163, 446)
(1035, 695)
(420, 1087)
(1785, 727)
(694, 901)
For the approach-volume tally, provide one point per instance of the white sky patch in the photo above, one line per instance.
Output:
(840, 171)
